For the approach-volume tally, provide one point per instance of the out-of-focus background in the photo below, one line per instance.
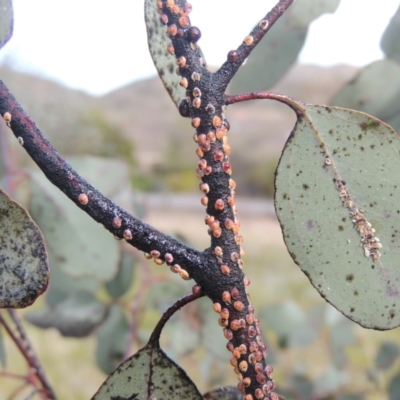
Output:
(81, 69)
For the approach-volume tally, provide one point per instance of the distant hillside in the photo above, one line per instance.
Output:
(142, 114)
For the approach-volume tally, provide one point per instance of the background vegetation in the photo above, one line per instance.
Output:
(98, 310)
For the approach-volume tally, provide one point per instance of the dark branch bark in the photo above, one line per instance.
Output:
(118, 221)
(205, 105)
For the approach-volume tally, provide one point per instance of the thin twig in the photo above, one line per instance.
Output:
(34, 361)
(31, 360)
(155, 336)
(295, 105)
(238, 56)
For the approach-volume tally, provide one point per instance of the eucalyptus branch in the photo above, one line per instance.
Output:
(236, 58)
(27, 352)
(218, 270)
(119, 222)
(205, 104)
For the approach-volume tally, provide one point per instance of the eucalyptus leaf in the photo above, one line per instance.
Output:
(337, 200)
(63, 285)
(181, 337)
(118, 286)
(149, 374)
(390, 43)
(301, 14)
(394, 388)
(76, 316)
(388, 353)
(224, 393)
(280, 48)
(341, 335)
(165, 293)
(293, 326)
(3, 357)
(109, 176)
(6, 21)
(330, 382)
(270, 60)
(112, 339)
(302, 386)
(24, 269)
(376, 91)
(79, 247)
(158, 42)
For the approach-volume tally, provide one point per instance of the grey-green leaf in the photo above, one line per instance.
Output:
(280, 48)
(292, 324)
(6, 21)
(376, 91)
(388, 353)
(390, 43)
(394, 387)
(62, 285)
(337, 200)
(123, 280)
(112, 339)
(300, 15)
(79, 247)
(3, 358)
(149, 374)
(76, 316)
(158, 42)
(302, 386)
(224, 393)
(24, 269)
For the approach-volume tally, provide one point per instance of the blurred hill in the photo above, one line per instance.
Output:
(140, 123)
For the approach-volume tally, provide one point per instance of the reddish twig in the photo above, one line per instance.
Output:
(155, 336)
(34, 361)
(238, 98)
(25, 348)
(135, 307)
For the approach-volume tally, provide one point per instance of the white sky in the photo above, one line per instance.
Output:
(98, 45)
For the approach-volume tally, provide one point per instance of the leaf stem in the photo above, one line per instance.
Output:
(295, 105)
(155, 336)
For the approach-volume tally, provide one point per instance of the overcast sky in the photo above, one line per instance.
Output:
(98, 45)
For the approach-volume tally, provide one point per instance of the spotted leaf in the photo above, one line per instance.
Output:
(337, 200)
(24, 269)
(158, 42)
(148, 374)
(6, 21)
